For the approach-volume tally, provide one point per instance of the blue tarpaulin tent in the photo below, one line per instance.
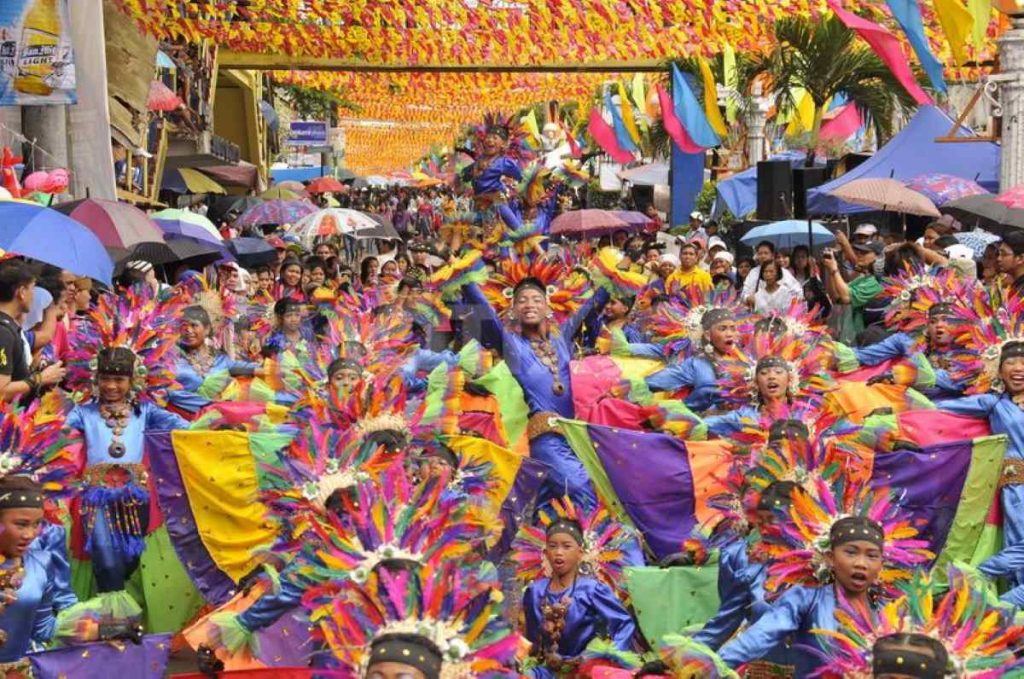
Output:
(913, 152)
(739, 192)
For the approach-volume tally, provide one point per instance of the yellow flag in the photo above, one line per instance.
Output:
(957, 23)
(711, 99)
(530, 122)
(729, 66)
(627, 114)
(981, 11)
(803, 118)
(639, 97)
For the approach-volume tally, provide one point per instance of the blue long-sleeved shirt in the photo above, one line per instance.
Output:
(190, 380)
(696, 372)
(902, 345)
(98, 436)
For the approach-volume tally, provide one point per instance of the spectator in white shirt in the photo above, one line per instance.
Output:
(770, 295)
(763, 253)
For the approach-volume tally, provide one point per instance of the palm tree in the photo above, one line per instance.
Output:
(825, 58)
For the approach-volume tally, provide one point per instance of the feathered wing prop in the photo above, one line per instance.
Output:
(979, 639)
(605, 549)
(689, 659)
(454, 607)
(134, 319)
(35, 443)
(797, 545)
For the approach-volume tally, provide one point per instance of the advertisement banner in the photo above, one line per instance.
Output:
(307, 133)
(37, 64)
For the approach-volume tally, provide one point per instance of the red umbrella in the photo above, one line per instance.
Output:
(1012, 198)
(587, 223)
(325, 185)
(117, 225)
(161, 98)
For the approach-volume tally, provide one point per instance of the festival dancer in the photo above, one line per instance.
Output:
(538, 351)
(291, 332)
(131, 353)
(494, 167)
(571, 600)
(868, 545)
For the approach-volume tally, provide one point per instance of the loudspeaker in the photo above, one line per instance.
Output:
(805, 179)
(774, 189)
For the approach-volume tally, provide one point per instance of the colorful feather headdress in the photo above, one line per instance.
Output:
(567, 287)
(454, 608)
(807, 366)
(677, 326)
(513, 132)
(605, 544)
(219, 305)
(979, 639)
(797, 545)
(689, 659)
(396, 522)
(34, 442)
(916, 289)
(992, 320)
(136, 320)
(797, 320)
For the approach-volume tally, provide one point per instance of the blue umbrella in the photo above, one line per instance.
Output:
(789, 233)
(48, 236)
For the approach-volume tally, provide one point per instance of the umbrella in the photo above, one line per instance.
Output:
(187, 223)
(382, 230)
(275, 212)
(325, 185)
(587, 223)
(161, 98)
(48, 236)
(177, 249)
(789, 233)
(942, 188)
(977, 240)
(183, 244)
(252, 252)
(332, 222)
(1013, 198)
(637, 220)
(226, 205)
(117, 225)
(886, 194)
(281, 193)
(291, 185)
(983, 210)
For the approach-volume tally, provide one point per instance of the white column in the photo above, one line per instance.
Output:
(1011, 100)
(757, 117)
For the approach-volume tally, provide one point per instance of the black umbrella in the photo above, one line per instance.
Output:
(252, 252)
(383, 231)
(196, 253)
(983, 210)
(234, 205)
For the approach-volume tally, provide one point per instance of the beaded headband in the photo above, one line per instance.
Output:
(854, 528)
(18, 499)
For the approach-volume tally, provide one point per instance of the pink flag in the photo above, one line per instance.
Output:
(887, 47)
(674, 126)
(843, 124)
(604, 135)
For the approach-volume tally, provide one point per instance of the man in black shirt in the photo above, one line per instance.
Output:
(17, 380)
(1011, 259)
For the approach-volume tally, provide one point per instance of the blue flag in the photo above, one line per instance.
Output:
(691, 113)
(621, 134)
(908, 14)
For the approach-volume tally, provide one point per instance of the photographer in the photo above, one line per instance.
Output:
(861, 292)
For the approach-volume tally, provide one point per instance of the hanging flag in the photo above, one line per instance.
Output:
(619, 127)
(843, 124)
(529, 121)
(957, 23)
(908, 14)
(887, 47)
(627, 115)
(981, 12)
(711, 99)
(731, 80)
(604, 135)
(801, 119)
(690, 113)
(674, 126)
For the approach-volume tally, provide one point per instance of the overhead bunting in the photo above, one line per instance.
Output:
(674, 126)
(908, 14)
(621, 134)
(957, 24)
(711, 99)
(626, 108)
(691, 113)
(605, 137)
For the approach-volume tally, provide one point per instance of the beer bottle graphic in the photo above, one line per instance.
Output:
(40, 38)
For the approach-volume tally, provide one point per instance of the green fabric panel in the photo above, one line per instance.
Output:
(172, 601)
(980, 488)
(511, 402)
(578, 436)
(266, 448)
(666, 600)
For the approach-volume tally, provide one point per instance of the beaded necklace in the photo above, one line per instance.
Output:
(116, 416)
(201, 360)
(548, 356)
(554, 614)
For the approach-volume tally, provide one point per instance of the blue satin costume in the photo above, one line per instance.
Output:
(415, 370)
(794, 615)
(269, 608)
(567, 475)
(696, 372)
(45, 591)
(111, 565)
(725, 426)
(902, 345)
(594, 612)
(486, 177)
(190, 380)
